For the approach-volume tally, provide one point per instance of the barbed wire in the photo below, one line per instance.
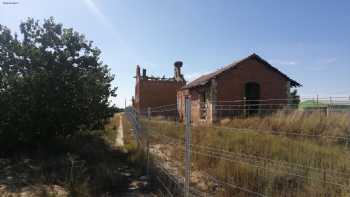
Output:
(266, 168)
(162, 106)
(264, 131)
(164, 186)
(166, 110)
(332, 98)
(285, 164)
(273, 166)
(161, 121)
(233, 185)
(257, 104)
(278, 162)
(212, 155)
(179, 183)
(282, 109)
(230, 184)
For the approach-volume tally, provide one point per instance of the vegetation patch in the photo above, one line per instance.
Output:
(260, 154)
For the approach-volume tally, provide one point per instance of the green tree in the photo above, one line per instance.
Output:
(295, 98)
(52, 84)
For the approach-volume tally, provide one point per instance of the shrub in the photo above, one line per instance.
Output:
(52, 84)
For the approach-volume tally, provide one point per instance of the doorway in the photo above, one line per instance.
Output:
(203, 105)
(252, 95)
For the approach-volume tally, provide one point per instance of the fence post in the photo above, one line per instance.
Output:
(147, 165)
(187, 146)
(329, 108)
(176, 119)
(149, 113)
(244, 106)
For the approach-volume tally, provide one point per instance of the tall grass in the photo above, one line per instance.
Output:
(305, 155)
(315, 123)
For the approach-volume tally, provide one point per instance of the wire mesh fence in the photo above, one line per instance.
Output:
(292, 156)
(221, 109)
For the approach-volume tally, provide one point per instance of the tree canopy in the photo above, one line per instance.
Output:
(52, 83)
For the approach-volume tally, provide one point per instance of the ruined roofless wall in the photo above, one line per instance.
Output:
(154, 93)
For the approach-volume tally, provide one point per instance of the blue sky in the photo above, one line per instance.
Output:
(307, 40)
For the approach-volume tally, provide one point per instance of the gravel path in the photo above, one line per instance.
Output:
(119, 141)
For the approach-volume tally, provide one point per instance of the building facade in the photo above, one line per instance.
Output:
(157, 91)
(242, 86)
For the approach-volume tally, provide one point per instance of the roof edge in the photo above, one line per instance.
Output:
(207, 77)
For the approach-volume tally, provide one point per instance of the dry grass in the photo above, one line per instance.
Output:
(264, 176)
(336, 124)
(83, 165)
(110, 133)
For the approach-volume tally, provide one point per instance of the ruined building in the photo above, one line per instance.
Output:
(246, 86)
(157, 91)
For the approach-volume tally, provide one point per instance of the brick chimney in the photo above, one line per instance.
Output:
(144, 73)
(177, 73)
(137, 71)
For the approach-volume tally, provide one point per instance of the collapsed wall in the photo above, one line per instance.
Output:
(157, 91)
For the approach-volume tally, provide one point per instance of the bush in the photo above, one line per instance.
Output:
(52, 84)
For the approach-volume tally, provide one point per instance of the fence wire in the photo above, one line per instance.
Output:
(175, 184)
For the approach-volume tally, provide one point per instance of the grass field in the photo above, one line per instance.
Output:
(294, 154)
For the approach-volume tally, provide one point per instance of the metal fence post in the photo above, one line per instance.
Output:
(147, 165)
(149, 113)
(187, 146)
(329, 108)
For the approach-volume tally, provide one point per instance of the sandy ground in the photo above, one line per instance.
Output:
(119, 141)
(199, 180)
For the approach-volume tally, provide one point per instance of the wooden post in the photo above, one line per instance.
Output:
(244, 107)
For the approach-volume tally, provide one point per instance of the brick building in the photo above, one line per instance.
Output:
(247, 81)
(157, 91)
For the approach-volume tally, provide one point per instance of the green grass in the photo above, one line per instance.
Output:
(268, 178)
(311, 104)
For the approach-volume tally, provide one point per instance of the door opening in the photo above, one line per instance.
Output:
(252, 95)
(203, 105)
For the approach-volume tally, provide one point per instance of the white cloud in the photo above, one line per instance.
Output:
(284, 62)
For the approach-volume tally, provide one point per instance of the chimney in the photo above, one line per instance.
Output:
(177, 74)
(137, 71)
(144, 73)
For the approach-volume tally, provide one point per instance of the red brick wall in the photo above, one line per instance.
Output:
(195, 102)
(154, 93)
(231, 85)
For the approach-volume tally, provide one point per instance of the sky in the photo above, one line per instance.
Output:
(307, 40)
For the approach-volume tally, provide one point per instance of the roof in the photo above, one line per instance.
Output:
(204, 79)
